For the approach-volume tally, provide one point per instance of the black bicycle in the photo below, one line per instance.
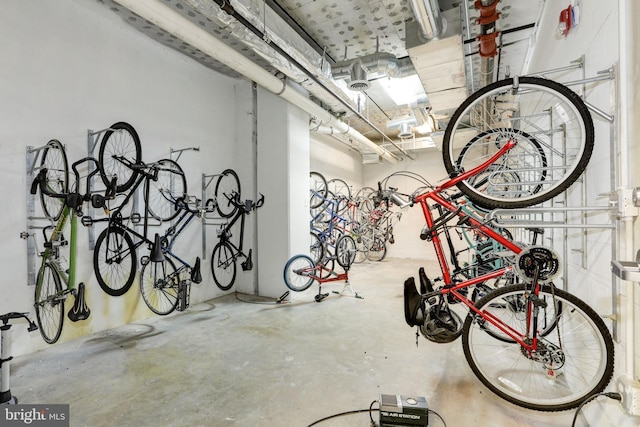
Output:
(164, 286)
(226, 253)
(114, 256)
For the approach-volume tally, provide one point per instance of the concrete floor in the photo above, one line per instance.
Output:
(226, 362)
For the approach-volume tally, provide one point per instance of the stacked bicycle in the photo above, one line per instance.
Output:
(524, 141)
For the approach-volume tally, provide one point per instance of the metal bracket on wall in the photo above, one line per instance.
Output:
(32, 156)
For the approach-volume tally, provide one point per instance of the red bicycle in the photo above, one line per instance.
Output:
(516, 143)
(301, 271)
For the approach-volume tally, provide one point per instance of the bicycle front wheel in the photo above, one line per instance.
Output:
(159, 286)
(551, 126)
(170, 185)
(223, 265)
(120, 140)
(49, 303)
(54, 159)
(345, 251)
(227, 187)
(318, 189)
(571, 363)
(297, 272)
(114, 261)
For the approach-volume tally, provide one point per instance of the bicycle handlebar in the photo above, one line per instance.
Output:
(74, 200)
(15, 315)
(248, 205)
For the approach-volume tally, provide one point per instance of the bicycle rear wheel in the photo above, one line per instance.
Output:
(554, 134)
(378, 249)
(227, 187)
(170, 185)
(114, 260)
(54, 159)
(571, 363)
(49, 308)
(223, 265)
(120, 140)
(296, 273)
(159, 286)
(316, 249)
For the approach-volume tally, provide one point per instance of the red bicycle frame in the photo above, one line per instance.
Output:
(453, 289)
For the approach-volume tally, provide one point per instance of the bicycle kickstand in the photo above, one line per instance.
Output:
(348, 287)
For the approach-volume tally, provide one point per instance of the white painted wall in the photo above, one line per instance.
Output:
(72, 65)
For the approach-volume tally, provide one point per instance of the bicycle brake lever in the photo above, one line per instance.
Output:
(260, 201)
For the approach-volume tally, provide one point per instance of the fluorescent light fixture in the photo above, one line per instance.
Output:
(405, 90)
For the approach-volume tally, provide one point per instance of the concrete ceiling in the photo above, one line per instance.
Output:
(325, 32)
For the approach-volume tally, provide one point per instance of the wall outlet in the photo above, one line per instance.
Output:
(630, 391)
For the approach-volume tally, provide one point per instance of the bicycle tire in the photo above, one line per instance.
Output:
(223, 265)
(345, 251)
(54, 159)
(318, 189)
(341, 193)
(49, 310)
(227, 186)
(114, 260)
(295, 281)
(170, 186)
(586, 353)
(159, 286)
(550, 112)
(121, 139)
(378, 250)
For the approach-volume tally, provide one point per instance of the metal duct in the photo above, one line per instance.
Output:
(379, 63)
(427, 13)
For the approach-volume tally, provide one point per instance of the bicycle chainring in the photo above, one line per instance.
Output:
(538, 262)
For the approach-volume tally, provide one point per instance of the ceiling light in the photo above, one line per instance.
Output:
(404, 90)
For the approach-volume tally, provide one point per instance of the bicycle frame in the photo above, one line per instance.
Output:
(452, 289)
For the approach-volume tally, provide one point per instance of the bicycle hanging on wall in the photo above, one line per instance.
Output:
(50, 295)
(515, 143)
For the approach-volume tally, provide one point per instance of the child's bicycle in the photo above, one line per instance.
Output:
(5, 354)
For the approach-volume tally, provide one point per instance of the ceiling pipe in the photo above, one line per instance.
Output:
(432, 23)
(162, 16)
(487, 38)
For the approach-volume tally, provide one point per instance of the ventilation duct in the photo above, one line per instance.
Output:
(359, 80)
(405, 130)
(376, 64)
(427, 13)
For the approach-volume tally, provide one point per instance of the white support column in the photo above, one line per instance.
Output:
(283, 177)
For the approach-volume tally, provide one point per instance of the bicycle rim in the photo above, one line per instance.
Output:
(227, 187)
(114, 261)
(159, 286)
(49, 308)
(54, 159)
(579, 352)
(554, 134)
(170, 185)
(317, 189)
(296, 273)
(223, 266)
(120, 140)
